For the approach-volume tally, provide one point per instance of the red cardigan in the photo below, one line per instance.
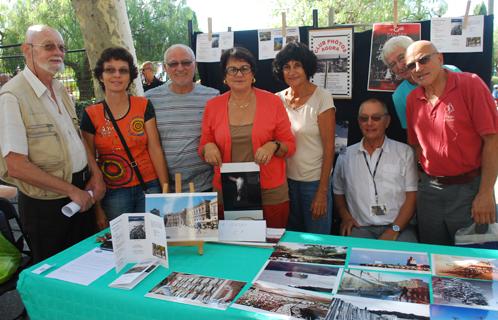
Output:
(270, 123)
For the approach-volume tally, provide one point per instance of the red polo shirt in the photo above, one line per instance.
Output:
(450, 132)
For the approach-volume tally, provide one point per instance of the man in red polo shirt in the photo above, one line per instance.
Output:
(453, 125)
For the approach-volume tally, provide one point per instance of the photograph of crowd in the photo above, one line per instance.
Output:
(369, 259)
(195, 289)
(465, 267)
(465, 292)
(269, 298)
(355, 308)
(385, 286)
(314, 279)
(309, 253)
(136, 225)
(440, 312)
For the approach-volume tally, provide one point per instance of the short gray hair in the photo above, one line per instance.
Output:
(374, 100)
(394, 43)
(182, 46)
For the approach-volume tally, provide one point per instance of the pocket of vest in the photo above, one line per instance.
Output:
(44, 145)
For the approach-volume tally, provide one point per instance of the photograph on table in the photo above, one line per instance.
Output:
(211, 292)
(371, 259)
(402, 287)
(309, 253)
(464, 292)
(187, 216)
(306, 278)
(136, 226)
(267, 298)
(440, 312)
(356, 308)
(241, 190)
(465, 267)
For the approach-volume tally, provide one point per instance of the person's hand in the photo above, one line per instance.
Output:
(101, 218)
(97, 185)
(212, 154)
(347, 226)
(265, 153)
(82, 198)
(389, 234)
(319, 205)
(484, 208)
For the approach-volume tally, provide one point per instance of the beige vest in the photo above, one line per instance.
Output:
(46, 144)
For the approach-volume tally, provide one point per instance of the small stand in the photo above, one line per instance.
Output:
(178, 189)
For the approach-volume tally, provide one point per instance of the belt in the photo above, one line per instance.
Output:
(460, 179)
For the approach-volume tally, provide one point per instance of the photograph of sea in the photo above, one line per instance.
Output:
(439, 312)
(414, 262)
(309, 253)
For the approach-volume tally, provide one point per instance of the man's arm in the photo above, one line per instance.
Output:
(19, 167)
(96, 182)
(404, 216)
(484, 205)
(347, 220)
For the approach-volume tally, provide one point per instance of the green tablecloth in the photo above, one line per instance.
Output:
(53, 299)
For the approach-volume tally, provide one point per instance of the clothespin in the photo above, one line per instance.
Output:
(466, 17)
(395, 15)
(229, 29)
(284, 25)
(331, 16)
(210, 29)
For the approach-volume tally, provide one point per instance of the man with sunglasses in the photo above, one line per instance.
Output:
(453, 126)
(179, 106)
(149, 80)
(42, 152)
(393, 56)
(375, 181)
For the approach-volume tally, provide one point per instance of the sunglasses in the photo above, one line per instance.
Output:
(374, 117)
(50, 46)
(243, 70)
(121, 71)
(175, 64)
(423, 60)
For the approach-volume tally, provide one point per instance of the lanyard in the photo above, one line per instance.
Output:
(374, 172)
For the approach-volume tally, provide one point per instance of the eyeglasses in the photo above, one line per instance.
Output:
(374, 117)
(50, 46)
(243, 70)
(400, 58)
(423, 60)
(175, 64)
(121, 71)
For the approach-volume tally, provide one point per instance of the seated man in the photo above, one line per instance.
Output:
(149, 80)
(375, 181)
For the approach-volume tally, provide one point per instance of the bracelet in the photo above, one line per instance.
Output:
(278, 146)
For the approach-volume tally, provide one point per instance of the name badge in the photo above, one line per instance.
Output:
(378, 210)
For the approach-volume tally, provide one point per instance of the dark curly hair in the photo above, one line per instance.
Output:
(296, 51)
(115, 53)
(237, 53)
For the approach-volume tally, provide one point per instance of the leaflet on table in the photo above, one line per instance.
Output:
(138, 237)
(450, 34)
(86, 268)
(271, 41)
(241, 188)
(273, 236)
(135, 274)
(210, 50)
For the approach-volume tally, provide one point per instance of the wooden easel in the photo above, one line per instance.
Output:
(178, 189)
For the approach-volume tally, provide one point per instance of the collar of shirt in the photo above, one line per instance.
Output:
(36, 84)
(385, 146)
(450, 85)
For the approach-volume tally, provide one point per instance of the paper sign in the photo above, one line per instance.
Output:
(242, 230)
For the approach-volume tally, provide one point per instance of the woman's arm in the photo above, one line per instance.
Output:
(156, 151)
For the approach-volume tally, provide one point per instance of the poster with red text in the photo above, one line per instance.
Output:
(380, 78)
(334, 49)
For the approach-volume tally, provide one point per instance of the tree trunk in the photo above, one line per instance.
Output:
(104, 23)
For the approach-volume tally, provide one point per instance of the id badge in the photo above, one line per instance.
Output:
(378, 209)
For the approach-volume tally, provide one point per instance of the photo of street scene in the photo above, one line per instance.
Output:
(314, 279)
(465, 267)
(356, 308)
(136, 226)
(187, 216)
(404, 287)
(266, 298)
(188, 288)
(309, 253)
(370, 259)
(439, 312)
(465, 292)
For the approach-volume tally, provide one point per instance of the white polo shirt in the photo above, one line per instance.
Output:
(13, 133)
(396, 175)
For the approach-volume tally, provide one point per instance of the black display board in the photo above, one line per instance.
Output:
(479, 63)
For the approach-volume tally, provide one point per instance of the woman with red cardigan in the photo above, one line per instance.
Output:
(247, 124)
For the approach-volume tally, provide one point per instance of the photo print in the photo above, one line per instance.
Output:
(309, 253)
(465, 267)
(371, 259)
(136, 225)
(465, 292)
(440, 312)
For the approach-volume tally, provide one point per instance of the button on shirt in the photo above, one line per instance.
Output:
(396, 174)
(13, 132)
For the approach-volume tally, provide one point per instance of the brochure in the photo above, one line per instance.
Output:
(135, 274)
(138, 237)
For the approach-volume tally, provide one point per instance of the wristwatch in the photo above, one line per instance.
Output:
(395, 227)
(278, 146)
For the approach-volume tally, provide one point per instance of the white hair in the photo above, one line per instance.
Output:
(179, 46)
(394, 43)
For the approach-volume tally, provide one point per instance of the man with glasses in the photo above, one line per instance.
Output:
(375, 181)
(179, 106)
(149, 80)
(42, 152)
(453, 126)
(393, 56)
